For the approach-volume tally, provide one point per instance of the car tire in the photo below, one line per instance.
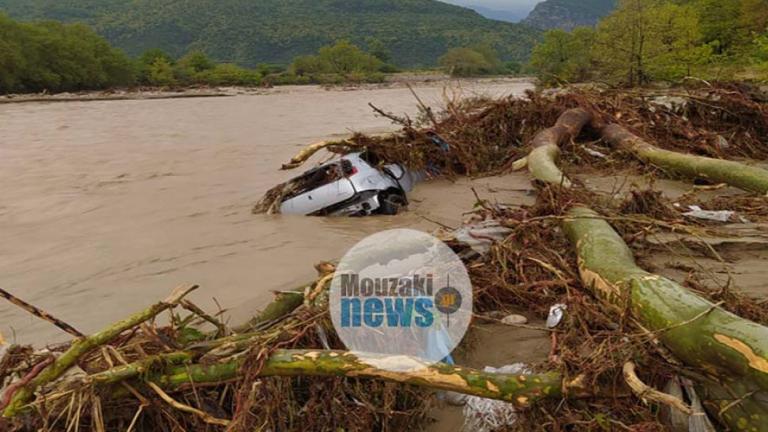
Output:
(390, 203)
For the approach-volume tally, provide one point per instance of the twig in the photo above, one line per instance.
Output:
(11, 390)
(696, 318)
(427, 110)
(447, 227)
(403, 121)
(39, 313)
(646, 393)
(736, 402)
(186, 408)
(135, 419)
(188, 305)
(318, 287)
(97, 416)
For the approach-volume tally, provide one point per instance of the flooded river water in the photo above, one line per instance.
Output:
(107, 206)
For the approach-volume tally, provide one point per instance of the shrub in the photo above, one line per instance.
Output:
(465, 62)
(228, 74)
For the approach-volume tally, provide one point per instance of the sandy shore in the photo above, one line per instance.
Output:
(149, 93)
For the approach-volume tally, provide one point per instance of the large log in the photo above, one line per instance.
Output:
(729, 349)
(519, 389)
(546, 146)
(742, 176)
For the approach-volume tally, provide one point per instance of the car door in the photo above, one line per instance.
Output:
(320, 197)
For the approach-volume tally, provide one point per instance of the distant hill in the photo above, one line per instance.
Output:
(248, 32)
(567, 14)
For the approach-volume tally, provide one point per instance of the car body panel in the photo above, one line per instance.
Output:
(356, 193)
(317, 199)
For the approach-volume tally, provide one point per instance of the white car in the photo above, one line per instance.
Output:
(350, 186)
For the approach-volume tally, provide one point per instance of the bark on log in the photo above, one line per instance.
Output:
(546, 146)
(725, 346)
(736, 174)
(306, 153)
(283, 304)
(519, 389)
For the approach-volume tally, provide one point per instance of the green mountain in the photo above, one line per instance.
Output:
(248, 32)
(567, 14)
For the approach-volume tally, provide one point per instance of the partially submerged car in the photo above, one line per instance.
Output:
(353, 185)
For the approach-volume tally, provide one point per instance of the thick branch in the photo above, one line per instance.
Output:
(736, 174)
(521, 390)
(308, 151)
(696, 331)
(546, 146)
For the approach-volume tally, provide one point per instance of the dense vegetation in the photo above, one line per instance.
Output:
(568, 14)
(56, 57)
(649, 40)
(476, 60)
(52, 57)
(247, 32)
(342, 61)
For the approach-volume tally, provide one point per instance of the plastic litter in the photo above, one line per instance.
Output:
(556, 314)
(714, 215)
(670, 103)
(514, 320)
(595, 153)
(480, 236)
(486, 415)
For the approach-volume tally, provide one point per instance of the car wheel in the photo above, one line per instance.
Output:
(391, 203)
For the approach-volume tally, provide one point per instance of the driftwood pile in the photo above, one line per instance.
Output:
(636, 351)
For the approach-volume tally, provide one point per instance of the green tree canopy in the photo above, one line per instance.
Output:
(57, 57)
(342, 58)
(564, 56)
(160, 73)
(196, 61)
(478, 60)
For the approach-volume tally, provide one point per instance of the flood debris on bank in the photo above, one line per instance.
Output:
(633, 351)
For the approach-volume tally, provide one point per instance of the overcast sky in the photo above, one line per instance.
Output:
(497, 4)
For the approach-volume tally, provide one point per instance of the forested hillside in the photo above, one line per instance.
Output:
(568, 14)
(247, 32)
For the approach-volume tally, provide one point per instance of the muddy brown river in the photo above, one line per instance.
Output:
(106, 206)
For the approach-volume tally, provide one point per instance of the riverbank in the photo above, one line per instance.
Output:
(401, 80)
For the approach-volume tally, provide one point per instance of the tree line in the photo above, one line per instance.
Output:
(55, 57)
(651, 40)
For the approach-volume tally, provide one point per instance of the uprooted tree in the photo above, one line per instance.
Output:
(731, 351)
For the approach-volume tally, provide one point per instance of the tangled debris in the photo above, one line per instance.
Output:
(609, 367)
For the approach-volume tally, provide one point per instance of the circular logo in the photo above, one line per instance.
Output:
(401, 293)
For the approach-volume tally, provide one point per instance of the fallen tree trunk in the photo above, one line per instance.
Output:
(729, 349)
(519, 389)
(736, 174)
(546, 146)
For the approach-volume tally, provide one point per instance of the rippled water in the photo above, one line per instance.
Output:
(106, 206)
